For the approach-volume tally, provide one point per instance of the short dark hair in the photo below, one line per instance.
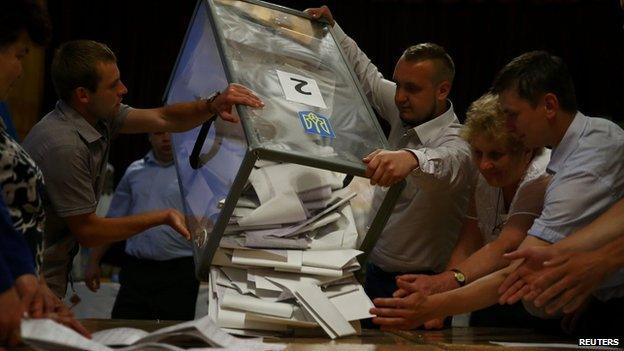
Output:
(75, 65)
(534, 74)
(436, 53)
(17, 16)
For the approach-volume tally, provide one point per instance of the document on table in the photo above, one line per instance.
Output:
(119, 336)
(46, 334)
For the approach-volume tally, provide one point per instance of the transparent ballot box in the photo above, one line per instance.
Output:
(268, 200)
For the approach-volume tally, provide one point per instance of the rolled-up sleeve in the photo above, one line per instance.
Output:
(448, 165)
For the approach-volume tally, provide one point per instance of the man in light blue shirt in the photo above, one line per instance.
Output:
(587, 163)
(158, 282)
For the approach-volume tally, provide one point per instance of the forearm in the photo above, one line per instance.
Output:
(470, 241)
(96, 254)
(489, 258)
(475, 296)
(185, 115)
(613, 253)
(97, 231)
(486, 260)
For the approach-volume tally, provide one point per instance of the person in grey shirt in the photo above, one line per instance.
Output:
(71, 145)
(431, 157)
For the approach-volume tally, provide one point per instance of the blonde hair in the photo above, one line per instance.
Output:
(485, 118)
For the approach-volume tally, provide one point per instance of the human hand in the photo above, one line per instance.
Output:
(234, 94)
(322, 12)
(55, 309)
(568, 280)
(386, 168)
(93, 273)
(69, 321)
(176, 220)
(516, 284)
(407, 312)
(426, 284)
(29, 291)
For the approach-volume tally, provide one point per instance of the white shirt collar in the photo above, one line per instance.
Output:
(431, 129)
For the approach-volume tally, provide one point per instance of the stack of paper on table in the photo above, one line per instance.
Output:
(288, 259)
(46, 334)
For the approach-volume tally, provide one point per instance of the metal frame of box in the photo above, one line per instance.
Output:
(203, 256)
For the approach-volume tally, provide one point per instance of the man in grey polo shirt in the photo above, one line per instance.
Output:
(71, 146)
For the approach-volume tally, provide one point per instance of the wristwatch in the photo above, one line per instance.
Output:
(210, 99)
(460, 278)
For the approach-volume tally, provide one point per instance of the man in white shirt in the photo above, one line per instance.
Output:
(431, 156)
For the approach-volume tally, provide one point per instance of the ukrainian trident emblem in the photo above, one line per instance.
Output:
(314, 123)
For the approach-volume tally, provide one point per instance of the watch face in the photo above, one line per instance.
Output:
(460, 277)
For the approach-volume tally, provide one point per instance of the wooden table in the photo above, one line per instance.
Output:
(454, 339)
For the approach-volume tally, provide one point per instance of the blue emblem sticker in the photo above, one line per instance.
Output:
(313, 123)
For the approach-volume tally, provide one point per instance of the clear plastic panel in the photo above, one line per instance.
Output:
(313, 107)
(198, 73)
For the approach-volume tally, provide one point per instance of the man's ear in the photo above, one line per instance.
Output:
(82, 95)
(551, 105)
(443, 90)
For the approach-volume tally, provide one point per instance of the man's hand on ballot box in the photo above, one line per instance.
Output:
(234, 94)
(322, 12)
(386, 168)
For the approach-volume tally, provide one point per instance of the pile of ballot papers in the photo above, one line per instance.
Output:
(287, 258)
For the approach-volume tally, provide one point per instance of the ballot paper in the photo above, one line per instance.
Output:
(303, 226)
(253, 304)
(297, 273)
(324, 312)
(46, 334)
(283, 208)
(272, 180)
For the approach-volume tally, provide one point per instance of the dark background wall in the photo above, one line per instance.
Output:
(481, 36)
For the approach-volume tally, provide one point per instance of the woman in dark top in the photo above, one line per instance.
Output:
(21, 183)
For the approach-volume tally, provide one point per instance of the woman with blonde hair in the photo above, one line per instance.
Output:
(507, 198)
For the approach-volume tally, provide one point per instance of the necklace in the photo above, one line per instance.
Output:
(498, 222)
